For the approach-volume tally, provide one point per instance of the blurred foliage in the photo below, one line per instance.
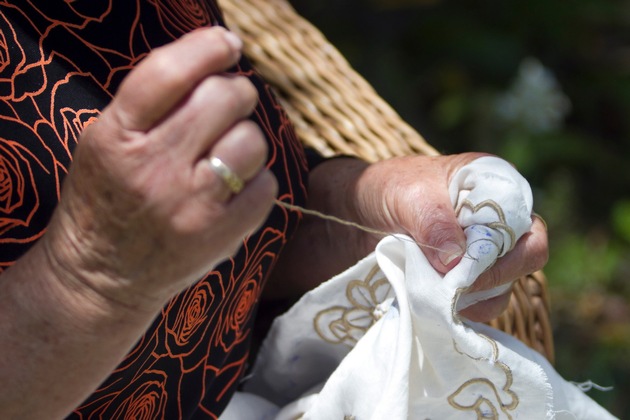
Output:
(545, 85)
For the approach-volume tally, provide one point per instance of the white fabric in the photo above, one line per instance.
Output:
(383, 340)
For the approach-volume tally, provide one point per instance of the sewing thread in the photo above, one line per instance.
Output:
(355, 225)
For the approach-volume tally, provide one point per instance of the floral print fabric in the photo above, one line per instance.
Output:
(60, 63)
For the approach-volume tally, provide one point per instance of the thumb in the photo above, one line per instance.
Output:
(441, 238)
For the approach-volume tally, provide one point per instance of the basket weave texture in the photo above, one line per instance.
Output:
(336, 111)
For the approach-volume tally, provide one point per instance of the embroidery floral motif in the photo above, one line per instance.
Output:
(481, 395)
(368, 301)
(499, 225)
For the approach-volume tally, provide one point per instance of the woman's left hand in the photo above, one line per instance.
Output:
(400, 195)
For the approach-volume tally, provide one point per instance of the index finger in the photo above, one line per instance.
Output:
(170, 72)
(528, 256)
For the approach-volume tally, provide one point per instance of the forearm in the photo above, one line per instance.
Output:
(58, 340)
(322, 248)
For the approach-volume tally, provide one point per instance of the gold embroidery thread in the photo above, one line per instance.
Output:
(482, 405)
(347, 324)
(501, 224)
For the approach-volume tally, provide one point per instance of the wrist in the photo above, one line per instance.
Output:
(332, 187)
(333, 190)
(81, 271)
(320, 247)
(60, 338)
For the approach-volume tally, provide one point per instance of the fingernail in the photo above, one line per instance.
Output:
(449, 252)
(235, 42)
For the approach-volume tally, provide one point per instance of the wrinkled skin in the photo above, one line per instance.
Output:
(142, 216)
(400, 195)
(141, 206)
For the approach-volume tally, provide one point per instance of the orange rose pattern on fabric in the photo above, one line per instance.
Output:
(60, 63)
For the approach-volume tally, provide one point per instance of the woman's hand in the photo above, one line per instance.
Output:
(141, 217)
(401, 195)
(410, 195)
(142, 214)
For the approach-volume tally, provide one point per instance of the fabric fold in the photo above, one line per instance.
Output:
(384, 339)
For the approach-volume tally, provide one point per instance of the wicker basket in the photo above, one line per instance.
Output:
(335, 111)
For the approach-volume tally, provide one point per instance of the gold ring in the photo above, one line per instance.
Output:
(233, 181)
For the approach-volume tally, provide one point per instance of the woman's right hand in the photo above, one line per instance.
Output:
(142, 214)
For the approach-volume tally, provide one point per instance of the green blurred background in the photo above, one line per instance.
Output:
(546, 85)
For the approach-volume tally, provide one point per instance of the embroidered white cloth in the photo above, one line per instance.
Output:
(384, 340)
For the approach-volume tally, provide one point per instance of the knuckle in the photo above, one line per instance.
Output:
(234, 95)
(538, 254)
(495, 277)
(166, 75)
(539, 259)
(269, 186)
(252, 134)
(248, 129)
(215, 38)
(247, 90)
(490, 279)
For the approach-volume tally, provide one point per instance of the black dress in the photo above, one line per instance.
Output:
(60, 64)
